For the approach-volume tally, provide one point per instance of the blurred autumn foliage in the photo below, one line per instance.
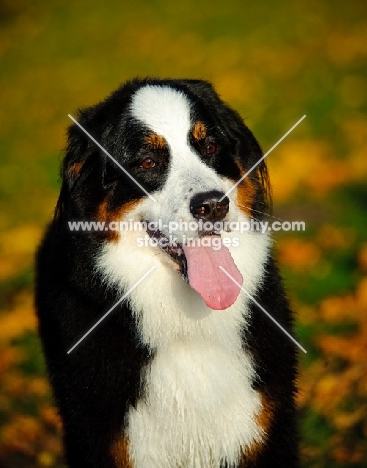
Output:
(274, 63)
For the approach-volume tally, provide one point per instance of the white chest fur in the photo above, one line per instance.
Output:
(199, 408)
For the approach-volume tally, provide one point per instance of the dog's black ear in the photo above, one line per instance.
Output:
(80, 158)
(80, 149)
(83, 154)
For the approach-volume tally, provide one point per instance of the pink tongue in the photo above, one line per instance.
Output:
(215, 287)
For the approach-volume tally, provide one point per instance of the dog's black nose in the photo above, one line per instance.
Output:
(206, 206)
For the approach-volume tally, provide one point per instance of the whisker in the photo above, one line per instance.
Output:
(257, 211)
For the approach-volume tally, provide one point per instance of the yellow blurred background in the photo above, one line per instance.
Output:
(273, 62)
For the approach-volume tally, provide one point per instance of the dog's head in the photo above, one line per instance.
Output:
(183, 150)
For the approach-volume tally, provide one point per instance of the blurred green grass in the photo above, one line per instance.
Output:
(273, 63)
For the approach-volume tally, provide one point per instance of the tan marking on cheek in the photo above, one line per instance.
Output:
(263, 420)
(155, 141)
(199, 131)
(120, 453)
(105, 215)
(245, 196)
(74, 170)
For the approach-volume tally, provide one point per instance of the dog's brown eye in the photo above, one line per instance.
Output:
(210, 149)
(148, 163)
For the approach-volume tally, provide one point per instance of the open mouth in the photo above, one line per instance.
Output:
(201, 265)
(174, 250)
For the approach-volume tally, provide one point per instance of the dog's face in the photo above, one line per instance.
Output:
(179, 141)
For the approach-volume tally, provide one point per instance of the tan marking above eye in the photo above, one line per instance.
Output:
(199, 131)
(155, 141)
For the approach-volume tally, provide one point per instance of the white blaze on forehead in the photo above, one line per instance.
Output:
(165, 111)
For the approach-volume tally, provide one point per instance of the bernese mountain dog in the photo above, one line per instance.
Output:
(186, 371)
